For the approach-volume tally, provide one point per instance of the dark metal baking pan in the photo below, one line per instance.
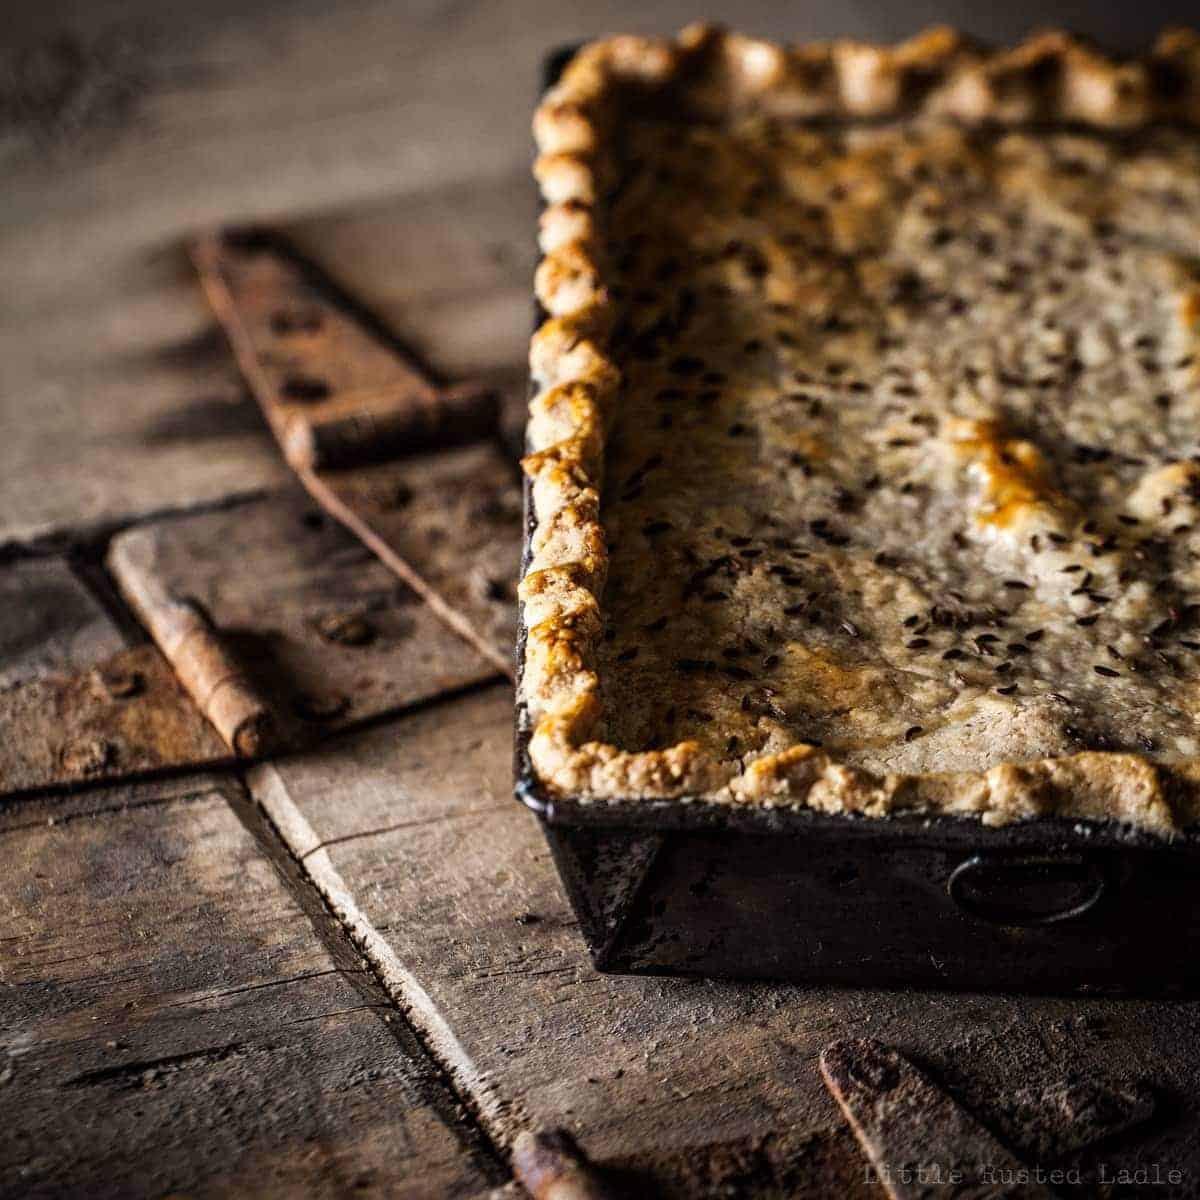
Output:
(741, 891)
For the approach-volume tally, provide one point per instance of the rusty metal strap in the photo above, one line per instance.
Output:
(335, 393)
(371, 436)
(922, 1143)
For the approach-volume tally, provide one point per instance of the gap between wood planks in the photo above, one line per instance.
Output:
(277, 825)
(85, 565)
(89, 543)
(86, 550)
(422, 1037)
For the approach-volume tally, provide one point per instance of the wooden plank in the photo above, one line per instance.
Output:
(410, 831)
(49, 622)
(449, 269)
(324, 632)
(77, 704)
(448, 882)
(173, 1020)
(455, 517)
(135, 385)
(327, 633)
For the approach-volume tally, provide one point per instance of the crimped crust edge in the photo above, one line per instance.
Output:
(1051, 78)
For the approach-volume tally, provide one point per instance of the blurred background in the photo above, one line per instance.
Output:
(127, 124)
(151, 115)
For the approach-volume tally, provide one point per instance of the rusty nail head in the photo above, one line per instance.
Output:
(346, 629)
(285, 322)
(120, 684)
(86, 756)
(321, 708)
(305, 389)
(398, 496)
(498, 591)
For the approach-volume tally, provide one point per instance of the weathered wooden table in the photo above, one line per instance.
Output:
(348, 969)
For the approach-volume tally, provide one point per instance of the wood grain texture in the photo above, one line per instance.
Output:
(326, 634)
(444, 880)
(454, 519)
(49, 622)
(917, 1139)
(77, 703)
(133, 382)
(172, 1021)
(418, 475)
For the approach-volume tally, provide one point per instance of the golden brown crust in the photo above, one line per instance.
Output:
(1050, 78)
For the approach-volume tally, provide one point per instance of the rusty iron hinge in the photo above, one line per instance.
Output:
(922, 1143)
(412, 468)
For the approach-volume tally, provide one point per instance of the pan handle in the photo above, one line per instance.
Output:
(1027, 889)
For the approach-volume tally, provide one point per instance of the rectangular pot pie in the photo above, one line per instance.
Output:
(865, 451)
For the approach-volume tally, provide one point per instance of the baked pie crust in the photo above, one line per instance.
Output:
(865, 450)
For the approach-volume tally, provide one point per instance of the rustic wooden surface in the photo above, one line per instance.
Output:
(175, 1021)
(364, 973)
(52, 624)
(412, 466)
(328, 634)
(78, 702)
(449, 889)
(458, 525)
(905, 1123)
(139, 384)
